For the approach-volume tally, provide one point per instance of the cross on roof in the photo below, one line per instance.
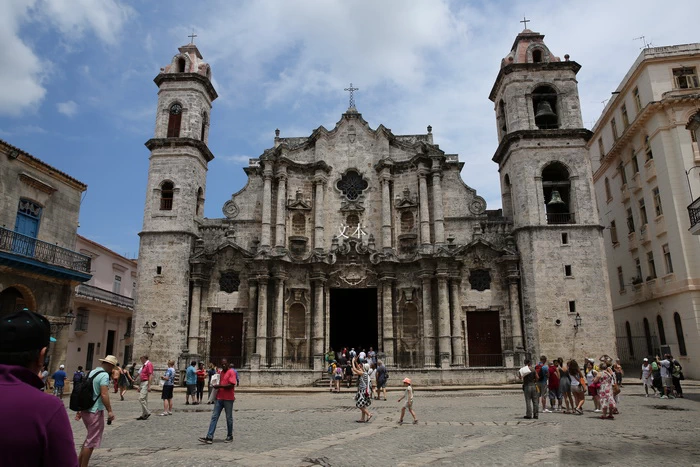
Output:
(192, 36)
(525, 21)
(352, 95)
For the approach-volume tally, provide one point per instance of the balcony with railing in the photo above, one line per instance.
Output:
(694, 213)
(102, 295)
(25, 252)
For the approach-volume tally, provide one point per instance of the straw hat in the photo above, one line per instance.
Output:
(407, 381)
(111, 359)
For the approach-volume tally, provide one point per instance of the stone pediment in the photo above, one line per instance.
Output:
(482, 244)
(298, 203)
(202, 253)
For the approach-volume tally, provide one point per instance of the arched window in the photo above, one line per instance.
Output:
(200, 202)
(502, 122)
(556, 187)
(174, 120)
(662, 333)
(181, 63)
(647, 148)
(647, 336)
(205, 123)
(167, 190)
(544, 102)
(299, 224)
(679, 334)
(297, 321)
(536, 56)
(407, 222)
(630, 344)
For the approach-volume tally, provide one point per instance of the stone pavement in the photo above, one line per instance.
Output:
(476, 427)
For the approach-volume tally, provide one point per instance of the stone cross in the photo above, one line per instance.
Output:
(192, 36)
(352, 95)
(525, 21)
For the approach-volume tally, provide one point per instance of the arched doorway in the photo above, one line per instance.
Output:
(15, 298)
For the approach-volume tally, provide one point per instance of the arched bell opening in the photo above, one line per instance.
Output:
(544, 102)
(556, 187)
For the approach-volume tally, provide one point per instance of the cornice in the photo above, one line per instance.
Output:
(184, 77)
(515, 136)
(160, 143)
(530, 67)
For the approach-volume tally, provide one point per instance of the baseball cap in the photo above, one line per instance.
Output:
(24, 330)
(61, 367)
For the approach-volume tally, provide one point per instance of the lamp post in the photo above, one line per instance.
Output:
(59, 324)
(147, 330)
(577, 322)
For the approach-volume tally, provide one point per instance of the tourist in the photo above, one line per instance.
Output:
(372, 378)
(408, 395)
(362, 356)
(591, 373)
(211, 371)
(93, 418)
(666, 378)
(215, 380)
(78, 376)
(59, 381)
(168, 386)
(606, 378)
(565, 387)
(677, 376)
(337, 377)
(645, 376)
(553, 385)
(329, 356)
(578, 386)
(125, 382)
(332, 365)
(145, 378)
(542, 371)
(352, 354)
(116, 373)
(656, 376)
(201, 376)
(225, 397)
(529, 378)
(619, 372)
(45, 378)
(37, 430)
(363, 397)
(348, 373)
(382, 378)
(372, 355)
(191, 383)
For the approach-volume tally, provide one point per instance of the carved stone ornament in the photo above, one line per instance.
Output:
(229, 281)
(352, 135)
(478, 205)
(230, 209)
(480, 279)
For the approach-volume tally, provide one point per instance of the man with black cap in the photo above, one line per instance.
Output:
(40, 432)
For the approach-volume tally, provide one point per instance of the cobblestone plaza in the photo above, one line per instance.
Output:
(464, 427)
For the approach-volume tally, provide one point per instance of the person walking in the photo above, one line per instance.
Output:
(59, 381)
(146, 378)
(37, 430)
(619, 372)
(168, 386)
(78, 376)
(225, 396)
(565, 387)
(116, 373)
(363, 397)
(666, 378)
(373, 378)
(677, 376)
(382, 378)
(593, 384)
(529, 378)
(93, 418)
(645, 376)
(45, 378)
(607, 379)
(211, 371)
(201, 377)
(408, 405)
(578, 386)
(125, 382)
(191, 383)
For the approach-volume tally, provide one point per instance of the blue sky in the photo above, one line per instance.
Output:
(77, 91)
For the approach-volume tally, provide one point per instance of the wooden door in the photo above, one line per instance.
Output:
(226, 338)
(484, 339)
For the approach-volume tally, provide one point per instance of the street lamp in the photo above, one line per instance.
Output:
(577, 322)
(59, 324)
(147, 330)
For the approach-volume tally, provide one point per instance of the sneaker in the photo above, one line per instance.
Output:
(597, 410)
(647, 395)
(535, 417)
(229, 439)
(527, 417)
(547, 411)
(663, 397)
(170, 413)
(206, 440)
(164, 414)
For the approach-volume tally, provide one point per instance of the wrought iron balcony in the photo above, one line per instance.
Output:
(16, 246)
(95, 293)
(694, 213)
(560, 218)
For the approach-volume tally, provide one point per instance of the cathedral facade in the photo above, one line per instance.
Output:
(357, 237)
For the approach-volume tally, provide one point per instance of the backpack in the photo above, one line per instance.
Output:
(82, 397)
(78, 377)
(331, 368)
(538, 371)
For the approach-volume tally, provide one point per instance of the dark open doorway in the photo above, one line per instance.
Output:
(353, 319)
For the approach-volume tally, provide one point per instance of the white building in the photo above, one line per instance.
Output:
(641, 152)
(103, 308)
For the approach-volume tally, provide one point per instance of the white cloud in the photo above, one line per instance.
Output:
(68, 108)
(74, 18)
(235, 159)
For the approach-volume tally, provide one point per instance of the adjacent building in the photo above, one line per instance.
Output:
(39, 264)
(103, 308)
(644, 158)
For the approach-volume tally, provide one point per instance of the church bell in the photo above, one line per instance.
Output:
(545, 112)
(555, 199)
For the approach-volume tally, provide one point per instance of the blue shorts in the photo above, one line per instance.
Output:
(555, 394)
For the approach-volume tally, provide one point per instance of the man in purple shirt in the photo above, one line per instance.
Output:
(41, 433)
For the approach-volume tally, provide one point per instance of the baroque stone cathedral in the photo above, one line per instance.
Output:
(358, 237)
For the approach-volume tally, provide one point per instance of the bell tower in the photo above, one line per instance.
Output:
(547, 189)
(174, 202)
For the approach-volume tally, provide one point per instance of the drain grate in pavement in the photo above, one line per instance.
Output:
(668, 407)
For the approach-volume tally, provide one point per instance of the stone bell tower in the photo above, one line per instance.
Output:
(174, 201)
(547, 189)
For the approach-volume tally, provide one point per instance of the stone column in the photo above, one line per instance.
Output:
(388, 344)
(280, 234)
(278, 318)
(428, 325)
(261, 347)
(516, 327)
(319, 205)
(318, 281)
(424, 204)
(251, 314)
(386, 208)
(456, 315)
(195, 307)
(266, 208)
(438, 208)
(444, 338)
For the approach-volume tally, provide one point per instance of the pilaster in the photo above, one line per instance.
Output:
(266, 207)
(424, 204)
(280, 234)
(438, 208)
